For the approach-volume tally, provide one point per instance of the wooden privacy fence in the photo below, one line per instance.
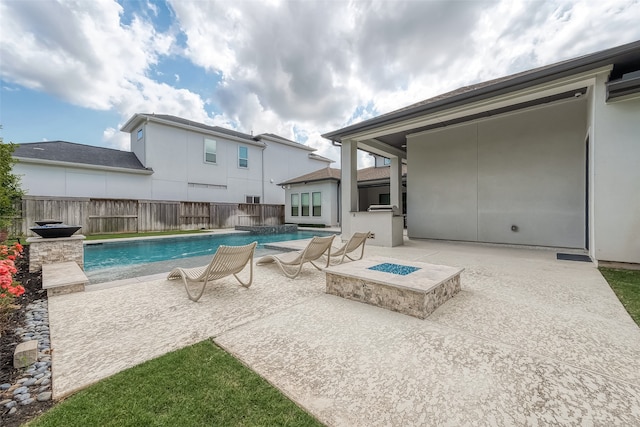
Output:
(100, 216)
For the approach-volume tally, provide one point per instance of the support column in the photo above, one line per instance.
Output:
(395, 183)
(349, 184)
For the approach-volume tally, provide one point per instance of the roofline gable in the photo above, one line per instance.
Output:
(136, 120)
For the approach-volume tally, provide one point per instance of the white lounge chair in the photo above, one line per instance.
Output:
(291, 262)
(356, 241)
(226, 261)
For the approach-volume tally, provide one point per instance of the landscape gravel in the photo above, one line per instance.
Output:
(35, 383)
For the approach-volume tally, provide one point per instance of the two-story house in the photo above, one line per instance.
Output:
(171, 158)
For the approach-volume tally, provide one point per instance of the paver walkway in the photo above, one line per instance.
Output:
(528, 341)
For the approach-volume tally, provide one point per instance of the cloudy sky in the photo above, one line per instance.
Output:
(77, 70)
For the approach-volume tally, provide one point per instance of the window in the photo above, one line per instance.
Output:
(387, 161)
(243, 157)
(316, 201)
(210, 151)
(305, 204)
(253, 199)
(140, 134)
(384, 199)
(295, 204)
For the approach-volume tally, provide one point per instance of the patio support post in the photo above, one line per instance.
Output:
(395, 183)
(349, 183)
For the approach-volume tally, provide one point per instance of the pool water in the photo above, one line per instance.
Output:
(135, 252)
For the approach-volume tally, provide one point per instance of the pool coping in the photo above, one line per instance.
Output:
(168, 236)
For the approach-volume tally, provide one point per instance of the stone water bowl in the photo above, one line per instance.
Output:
(51, 231)
(48, 222)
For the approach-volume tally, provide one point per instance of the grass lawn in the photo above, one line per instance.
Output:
(626, 285)
(201, 385)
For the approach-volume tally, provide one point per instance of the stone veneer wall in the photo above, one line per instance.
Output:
(49, 251)
(414, 303)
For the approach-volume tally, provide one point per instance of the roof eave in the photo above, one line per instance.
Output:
(284, 142)
(321, 158)
(83, 165)
(133, 123)
(554, 72)
(307, 181)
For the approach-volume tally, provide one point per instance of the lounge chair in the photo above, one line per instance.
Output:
(226, 261)
(291, 262)
(357, 240)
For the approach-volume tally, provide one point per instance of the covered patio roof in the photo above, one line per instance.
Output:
(387, 133)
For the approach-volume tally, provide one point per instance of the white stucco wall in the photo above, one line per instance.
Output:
(329, 190)
(58, 181)
(473, 182)
(177, 158)
(283, 162)
(616, 185)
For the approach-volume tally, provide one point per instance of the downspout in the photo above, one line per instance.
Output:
(339, 207)
(339, 144)
(263, 177)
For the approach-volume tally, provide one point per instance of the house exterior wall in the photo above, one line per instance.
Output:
(475, 181)
(330, 205)
(616, 171)
(283, 162)
(57, 181)
(137, 146)
(181, 173)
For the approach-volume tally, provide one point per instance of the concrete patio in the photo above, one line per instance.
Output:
(529, 340)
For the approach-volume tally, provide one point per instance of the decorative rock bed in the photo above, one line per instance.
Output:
(35, 384)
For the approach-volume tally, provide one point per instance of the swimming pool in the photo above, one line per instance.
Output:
(110, 255)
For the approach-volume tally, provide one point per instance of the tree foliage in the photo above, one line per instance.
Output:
(10, 191)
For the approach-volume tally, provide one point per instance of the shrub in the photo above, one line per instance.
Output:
(9, 289)
(10, 191)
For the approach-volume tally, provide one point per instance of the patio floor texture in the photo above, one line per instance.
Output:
(529, 340)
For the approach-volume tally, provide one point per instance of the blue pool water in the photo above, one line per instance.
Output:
(123, 254)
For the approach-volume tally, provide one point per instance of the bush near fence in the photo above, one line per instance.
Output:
(101, 216)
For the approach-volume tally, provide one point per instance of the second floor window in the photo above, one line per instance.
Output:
(243, 157)
(316, 200)
(295, 204)
(210, 151)
(253, 199)
(140, 134)
(305, 204)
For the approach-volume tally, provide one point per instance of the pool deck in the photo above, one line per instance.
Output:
(529, 340)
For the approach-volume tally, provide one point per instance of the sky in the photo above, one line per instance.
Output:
(77, 70)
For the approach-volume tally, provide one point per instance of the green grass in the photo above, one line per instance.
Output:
(201, 385)
(626, 285)
(155, 233)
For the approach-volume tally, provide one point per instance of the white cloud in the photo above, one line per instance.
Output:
(82, 53)
(113, 138)
(153, 8)
(294, 68)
